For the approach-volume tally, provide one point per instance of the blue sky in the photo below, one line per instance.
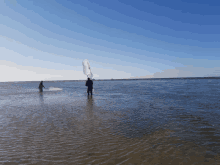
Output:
(48, 40)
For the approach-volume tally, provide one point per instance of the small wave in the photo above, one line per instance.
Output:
(54, 89)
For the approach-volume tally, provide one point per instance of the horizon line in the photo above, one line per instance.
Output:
(211, 77)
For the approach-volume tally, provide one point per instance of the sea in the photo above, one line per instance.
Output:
(152, 121)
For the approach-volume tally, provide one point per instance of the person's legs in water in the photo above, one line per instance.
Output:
(89, 91)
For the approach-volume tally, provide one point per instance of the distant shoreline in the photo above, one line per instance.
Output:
(159, 78)
(125, 79)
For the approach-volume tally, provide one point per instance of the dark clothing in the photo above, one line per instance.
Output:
(89, 84)
(89, 91)
(41, 89)
(41, 86)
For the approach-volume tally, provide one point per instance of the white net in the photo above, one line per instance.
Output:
(86, 69)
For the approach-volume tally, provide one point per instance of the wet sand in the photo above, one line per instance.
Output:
(86, 134)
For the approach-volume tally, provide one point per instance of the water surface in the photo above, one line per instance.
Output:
(144, 122)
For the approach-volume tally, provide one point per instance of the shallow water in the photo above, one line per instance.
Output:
(143, 122)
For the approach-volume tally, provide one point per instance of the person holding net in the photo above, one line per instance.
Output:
(87, 71)
(89, 84)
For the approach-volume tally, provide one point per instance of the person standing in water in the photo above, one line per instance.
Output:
(41, 86)
(89, 84)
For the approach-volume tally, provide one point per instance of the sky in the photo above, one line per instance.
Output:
(48, 40)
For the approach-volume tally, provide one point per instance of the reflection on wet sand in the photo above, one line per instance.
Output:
(58, 136)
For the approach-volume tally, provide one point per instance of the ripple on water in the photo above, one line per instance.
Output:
(90, 137)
